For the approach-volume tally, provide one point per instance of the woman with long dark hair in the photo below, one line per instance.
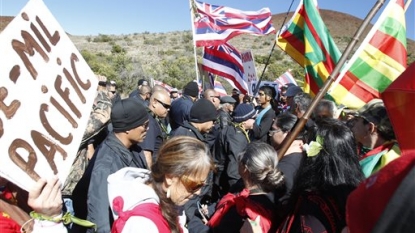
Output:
(291, 160)
(326, 177)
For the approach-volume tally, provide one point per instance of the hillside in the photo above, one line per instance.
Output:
(169, 56)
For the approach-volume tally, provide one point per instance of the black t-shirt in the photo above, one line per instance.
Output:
(289, 165)
(154, 138)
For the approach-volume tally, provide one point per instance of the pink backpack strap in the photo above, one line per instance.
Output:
(148, 210)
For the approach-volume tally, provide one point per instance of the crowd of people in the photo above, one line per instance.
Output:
(160, 161)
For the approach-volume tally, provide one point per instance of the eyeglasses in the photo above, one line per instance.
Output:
(192, 186)
(145, 125)
(272, 132)
(166, 106)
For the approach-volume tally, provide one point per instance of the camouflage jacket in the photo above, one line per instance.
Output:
(98, 121)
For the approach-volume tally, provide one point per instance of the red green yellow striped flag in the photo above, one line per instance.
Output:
(306, 39)
(379, 60)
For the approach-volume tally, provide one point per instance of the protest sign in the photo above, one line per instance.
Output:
(46, 94)
(249, 68)
(253, 84)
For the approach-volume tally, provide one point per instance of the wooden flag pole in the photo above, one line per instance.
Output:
(323, 90)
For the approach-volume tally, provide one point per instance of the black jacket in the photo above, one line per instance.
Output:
(260, 133)
(225, 119)
(228, 145)
(90, 195)
(179, 111)
(188, 129)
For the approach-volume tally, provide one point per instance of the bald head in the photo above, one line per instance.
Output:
(213, 97)
(158, 88)
(160, 103)
(161, 95)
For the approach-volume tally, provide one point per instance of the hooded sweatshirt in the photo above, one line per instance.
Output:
(130, 184)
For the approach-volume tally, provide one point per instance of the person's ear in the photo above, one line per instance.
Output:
(170, 180)
(371, 128)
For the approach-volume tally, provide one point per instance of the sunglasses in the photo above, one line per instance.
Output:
(192, 186)
(166, 106)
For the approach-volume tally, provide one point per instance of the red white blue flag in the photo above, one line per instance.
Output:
(214, 25)
(225, 61)
(285, 78)
(220, 89)
(167, 87)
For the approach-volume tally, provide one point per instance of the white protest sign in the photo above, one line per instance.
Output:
(249, 68)
(253, 84)
(46, 94)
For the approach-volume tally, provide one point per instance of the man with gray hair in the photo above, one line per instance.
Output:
(325, 109)
(226, 107)
(301, 103)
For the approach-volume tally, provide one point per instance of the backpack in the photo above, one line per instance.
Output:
(148, 210)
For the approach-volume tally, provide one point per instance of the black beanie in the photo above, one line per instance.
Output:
(203, 111)
(128, 114)
(191, 89)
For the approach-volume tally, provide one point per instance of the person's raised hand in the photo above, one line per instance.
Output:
(45, 197)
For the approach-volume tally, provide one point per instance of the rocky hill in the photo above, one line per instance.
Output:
(154, 51)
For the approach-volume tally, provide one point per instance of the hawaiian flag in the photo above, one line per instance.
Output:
(167, 87)
(214, 25)
(307, 40)
(225, 61)
(379, 60)
(286, 78)
(218, 87)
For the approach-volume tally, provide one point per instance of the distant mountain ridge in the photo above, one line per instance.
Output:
(339, 24)
(169, 56)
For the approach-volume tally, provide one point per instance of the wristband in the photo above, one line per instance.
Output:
(65, 219)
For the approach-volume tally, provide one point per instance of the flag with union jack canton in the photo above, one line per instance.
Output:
(225, 61)
(167, 87)
(286, 78)
(214, 25)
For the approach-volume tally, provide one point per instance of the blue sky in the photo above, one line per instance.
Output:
(93, 17)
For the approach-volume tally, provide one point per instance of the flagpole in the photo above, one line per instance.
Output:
(192, 13)
(254, 92)
(291, 137)
(407, 3)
